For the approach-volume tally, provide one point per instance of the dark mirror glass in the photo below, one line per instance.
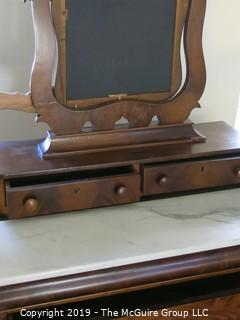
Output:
(119, 47)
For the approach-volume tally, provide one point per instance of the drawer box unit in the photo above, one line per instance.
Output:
(33, 196)
(31, 186)
(190, 175)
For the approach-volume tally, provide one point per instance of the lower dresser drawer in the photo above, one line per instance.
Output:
(38, 199)
(190, 175)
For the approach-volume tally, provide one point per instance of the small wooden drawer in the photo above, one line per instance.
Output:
(44, 198)
(192, 175)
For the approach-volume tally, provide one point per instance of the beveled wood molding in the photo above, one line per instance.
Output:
(16, 101)
(64, 120)
(123, 278)
(120, 139)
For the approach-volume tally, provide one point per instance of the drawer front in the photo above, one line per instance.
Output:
(69, 196)
(184, 176)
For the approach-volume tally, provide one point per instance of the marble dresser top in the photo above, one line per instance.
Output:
(70, 243)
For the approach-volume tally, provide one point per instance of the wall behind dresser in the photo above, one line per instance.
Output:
(222, 53)
(16, 56)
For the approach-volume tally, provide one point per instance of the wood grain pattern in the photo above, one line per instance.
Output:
(182, 295)
(219, 309)
(181, 176)
(22, 158)
(3, 203)
(72, 195)
(223, 290)
(190, 166)
(120, 139)
(63, 120)
(16, 101)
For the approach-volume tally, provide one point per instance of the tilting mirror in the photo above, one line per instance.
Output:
(118, 49)
(98, 63)
(114, 60)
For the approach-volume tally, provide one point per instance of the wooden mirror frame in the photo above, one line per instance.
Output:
(60, 17)
(67, 123)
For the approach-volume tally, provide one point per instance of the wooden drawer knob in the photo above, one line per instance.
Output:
(121, 190)
(31, 206)
(162, 180)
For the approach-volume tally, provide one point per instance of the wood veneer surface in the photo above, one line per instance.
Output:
(23, 158)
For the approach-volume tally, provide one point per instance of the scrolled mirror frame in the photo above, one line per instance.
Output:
(65, 121)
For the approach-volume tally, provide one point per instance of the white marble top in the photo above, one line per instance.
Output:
(63, 244)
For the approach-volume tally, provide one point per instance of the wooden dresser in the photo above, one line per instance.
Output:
(180, 256)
